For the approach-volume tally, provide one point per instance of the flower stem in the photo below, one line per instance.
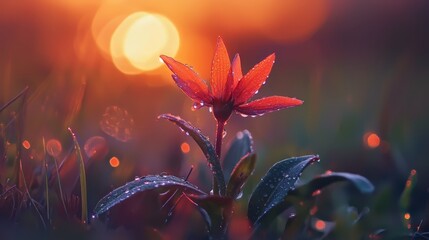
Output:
(218, 147)
(219, 137)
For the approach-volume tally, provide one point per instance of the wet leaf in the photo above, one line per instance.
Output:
(205, 145)
(269, 195)
(240, 174)
(240, 146)
(160, 182)
(306, 190)
(213, 209)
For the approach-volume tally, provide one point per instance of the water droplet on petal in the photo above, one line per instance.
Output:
(224, 134)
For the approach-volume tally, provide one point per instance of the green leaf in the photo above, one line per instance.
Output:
(205, 145)
(160, 182)
(240, 174)
(306, 190)
(267, 199)
(240, 146)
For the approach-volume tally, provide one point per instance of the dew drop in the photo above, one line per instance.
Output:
(224, 134)
(240, 195)
(244, 115)
(210, 109)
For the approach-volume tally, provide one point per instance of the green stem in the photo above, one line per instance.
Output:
(218, 147)
(219, 137)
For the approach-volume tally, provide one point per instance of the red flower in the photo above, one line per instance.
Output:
(228, 89)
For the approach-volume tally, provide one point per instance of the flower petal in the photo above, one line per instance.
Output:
(253, 80)
(268, 104)
(220, 69)
(188, 80)
(234, 77)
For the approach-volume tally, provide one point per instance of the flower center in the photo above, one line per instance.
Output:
(222, 110)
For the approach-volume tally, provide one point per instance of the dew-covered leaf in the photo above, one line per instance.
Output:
(308, 189)
(205, 145)
(240, 146)
(240, 174)
(269, 194)
(213, 208)
(160, 182)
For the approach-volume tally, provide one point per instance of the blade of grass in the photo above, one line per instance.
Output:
(14, 99)
(20, 123)
(33, 202)
(60, 187)
(82, 177)
(45, 162)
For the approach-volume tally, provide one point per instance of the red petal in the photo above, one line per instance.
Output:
(253, 80)
(234, 77)
(220, 70)
(188, 80)
(268, 104)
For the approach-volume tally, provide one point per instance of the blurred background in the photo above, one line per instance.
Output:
(360, 66)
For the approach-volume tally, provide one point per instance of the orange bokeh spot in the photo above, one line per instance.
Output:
(26, 144)
(140, 39)
(185, 147)
(320, 225)
(407, 216)
(114, 162)
(372, 140)
(54, 148)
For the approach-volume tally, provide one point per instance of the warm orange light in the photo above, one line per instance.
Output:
(407, 216)
(372, 140)
(54, 147)
(320, 225)
(185, 147)
(26, 144)
(114, 162)
(140, 39)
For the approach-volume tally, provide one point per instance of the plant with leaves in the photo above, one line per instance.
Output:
(228, 90)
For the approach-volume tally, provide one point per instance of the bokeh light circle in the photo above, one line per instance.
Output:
(139, 40)
(96, 147)
(54, 147)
